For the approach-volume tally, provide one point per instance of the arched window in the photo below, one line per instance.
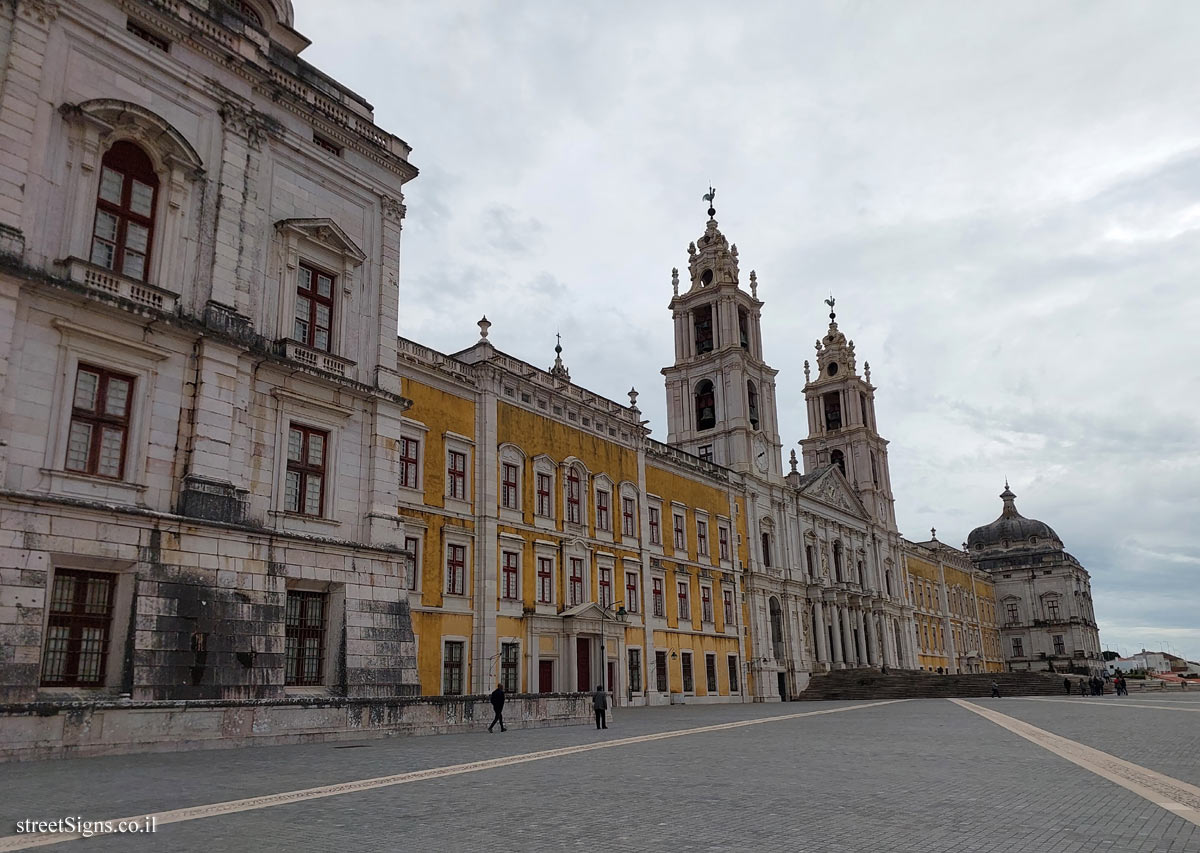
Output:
(124, 225)
(752, 403)
(249, 12)
(839, 459)
(706, 410)
(837, 561)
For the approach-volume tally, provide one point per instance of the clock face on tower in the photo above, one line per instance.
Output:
(760, 455)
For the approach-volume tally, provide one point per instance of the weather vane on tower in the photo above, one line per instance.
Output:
(712, 194)
(830, 302)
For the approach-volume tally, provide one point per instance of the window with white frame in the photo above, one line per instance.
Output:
(410, 463)
(100, 420)
(727, 602)
(605, 581)
(655, 526)
(723, 541)
(685, 660)
(510, 574)
(510, 666)
(701, 537)
(304, 485)
(575, 582)
(734, 672)
(657, 596)
(412, 562)
(456, 569)
(710, 673)
(313, 324)
(685, 610)
(603, 513)
(509, 498)
(545, 494)
(545, 580)
(574, 496)
(124, 225)
(680, 535)
(706, 603)
(628, 516)
(319, 266)
(631, 592)
(456, 474)
(453, 662)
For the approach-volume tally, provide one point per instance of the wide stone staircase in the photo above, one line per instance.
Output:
(909, 684)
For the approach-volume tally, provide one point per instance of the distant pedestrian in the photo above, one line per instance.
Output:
(1067, 685)
(497, 698)
(1083, 690)
(995, 690)
(600, 704)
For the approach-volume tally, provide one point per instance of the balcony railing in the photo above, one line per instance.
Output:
(316, 359)
(106, 281)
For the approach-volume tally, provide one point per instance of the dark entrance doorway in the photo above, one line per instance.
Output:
(783, 694)
(583, 664)
(612, 679)
(545, 676)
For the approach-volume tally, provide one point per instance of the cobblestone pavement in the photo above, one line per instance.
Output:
(922, 775)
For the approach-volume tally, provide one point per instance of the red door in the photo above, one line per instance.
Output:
(583, 664)
(545, 676)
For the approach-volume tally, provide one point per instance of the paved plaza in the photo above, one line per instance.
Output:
(914, 775)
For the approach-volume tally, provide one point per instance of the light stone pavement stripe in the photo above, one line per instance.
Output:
(23, 842)
(1171, 794)
(1113, 704)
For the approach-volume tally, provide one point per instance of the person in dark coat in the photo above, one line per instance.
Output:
(600, 704)
(1067, 685)
(497, 698)
(995, 690)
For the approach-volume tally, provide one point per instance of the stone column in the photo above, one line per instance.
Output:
(861, 636)
(835, 621)
(872, 640)
(819, 637)
(848, 636)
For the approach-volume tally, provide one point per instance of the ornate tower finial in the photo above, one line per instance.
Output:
(484, 325)
(675, 280)
(807, 371)
(754, 284)
(559, 370)
(933, 533)
(633, 395)
(832, 314)
(710, 197)
(792, 462)
(867, 371)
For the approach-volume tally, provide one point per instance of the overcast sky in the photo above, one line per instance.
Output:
(1004, 198)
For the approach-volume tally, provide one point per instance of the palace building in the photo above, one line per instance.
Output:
(224, 477)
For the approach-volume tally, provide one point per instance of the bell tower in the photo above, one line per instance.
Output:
(720, 392)
(841, 423)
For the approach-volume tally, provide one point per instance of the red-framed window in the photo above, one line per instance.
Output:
(706, 608)
(631, 592)
(655, 527)
(727, 599)
(685, 610)
(680, 536)
(452, 668)
(510, 656)
(576, 582)
(628, 509)
(304, 488)
(510, 573)
(723, 541)
(656, 596)
(100, 414)
(603, 517)
(508, 485)
(605, 584)
(456, 569)
(124, 227)
(545, 577)
(410, 453)
(702, 538)
(411, 564)
(573, 514)
(544, 484)
(314, 307)
(80, 621)
(456, 474)
(304, 637)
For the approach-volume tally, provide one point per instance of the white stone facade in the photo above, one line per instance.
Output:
(172, 438)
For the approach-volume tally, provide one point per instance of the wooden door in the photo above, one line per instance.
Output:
(583, 664)
(545, 676)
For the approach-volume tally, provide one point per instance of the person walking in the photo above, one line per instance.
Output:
(497, 698)
(995, 690)
(1067, 685)
(600, 705)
